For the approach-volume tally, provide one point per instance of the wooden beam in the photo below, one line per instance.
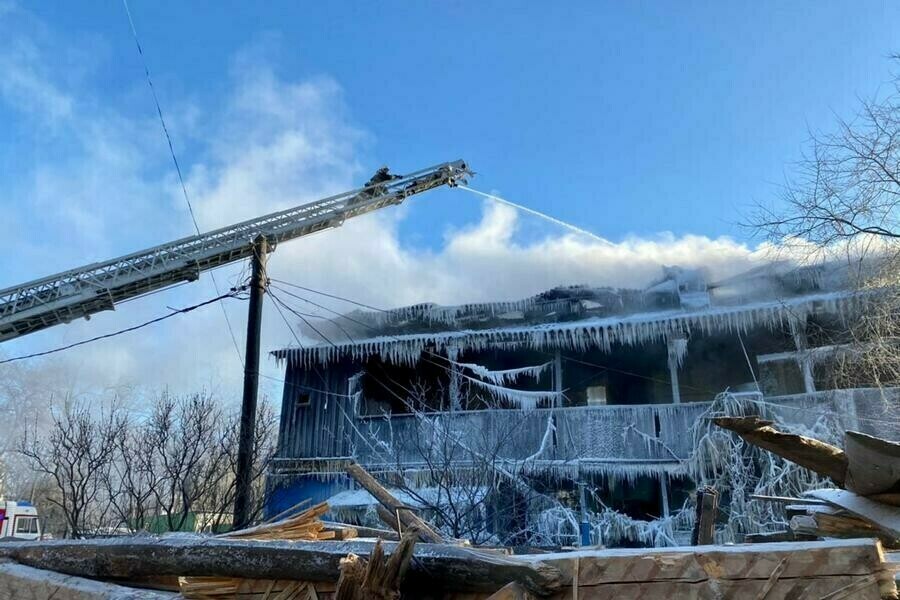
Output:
(446, 567)
(863, 586)
(707, 511)
(380, 493)
(873, 464)
(883, 517)
(807, 560)
(810, 453)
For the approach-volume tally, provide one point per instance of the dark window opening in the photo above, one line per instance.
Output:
(303, 399)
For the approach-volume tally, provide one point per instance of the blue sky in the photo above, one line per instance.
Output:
(654, 124)
(623, 117)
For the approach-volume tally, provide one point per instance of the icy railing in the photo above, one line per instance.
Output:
(623, 440)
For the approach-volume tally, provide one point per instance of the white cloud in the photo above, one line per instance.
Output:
(274, 143)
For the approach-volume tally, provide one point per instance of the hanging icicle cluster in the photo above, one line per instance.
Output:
(524, 399)
(582, 335)
(505, 376)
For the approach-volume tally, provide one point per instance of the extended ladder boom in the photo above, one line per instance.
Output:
(84, 291)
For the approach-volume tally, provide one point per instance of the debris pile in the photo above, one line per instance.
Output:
(303, 558)
(867, 471)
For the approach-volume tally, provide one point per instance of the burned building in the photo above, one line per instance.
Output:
(577, 387)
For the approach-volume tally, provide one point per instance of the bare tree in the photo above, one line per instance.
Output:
(842, 199)
(220, 501)
(134, 477)
(186, 437)
(76, 454)
(459, 474)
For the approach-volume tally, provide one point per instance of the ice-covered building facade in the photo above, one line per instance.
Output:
(574, 387)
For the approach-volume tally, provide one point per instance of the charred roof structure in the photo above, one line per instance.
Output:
(573, 387)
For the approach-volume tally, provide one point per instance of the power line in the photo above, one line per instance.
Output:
(327, 295)
(175, 312)
(314, 316)
(304, 319)
(162, 121)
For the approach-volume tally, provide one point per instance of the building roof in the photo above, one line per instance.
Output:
(582, 317)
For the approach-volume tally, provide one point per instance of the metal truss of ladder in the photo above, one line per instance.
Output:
(97, 287)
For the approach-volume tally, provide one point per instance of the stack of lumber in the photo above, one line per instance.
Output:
(305, 526)
(867, 470)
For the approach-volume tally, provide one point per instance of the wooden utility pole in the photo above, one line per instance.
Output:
(244, 483)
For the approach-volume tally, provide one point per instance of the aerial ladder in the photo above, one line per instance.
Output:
(81, 292)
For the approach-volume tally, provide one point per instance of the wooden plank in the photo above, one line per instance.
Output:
(873, 464)
(771, 536)
(810, 453)
(884, 517)
(450, 567)
(792, 589)
(380, 493)
(511, 591)
(340, 533)
(365, 532)
(767, 590)
(697, 563)
(20, 582)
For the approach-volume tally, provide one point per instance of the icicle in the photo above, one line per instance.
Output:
(508, 375)
(523, 399)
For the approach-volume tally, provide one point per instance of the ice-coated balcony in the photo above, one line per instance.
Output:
(621, 440)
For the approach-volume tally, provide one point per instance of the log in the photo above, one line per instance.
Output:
(810, 453)
(19, 582)
(873, 464)
(380, 493)
(447, 567)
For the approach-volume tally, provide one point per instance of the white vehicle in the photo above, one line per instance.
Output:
(19, 520)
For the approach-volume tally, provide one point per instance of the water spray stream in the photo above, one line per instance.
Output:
(538, 214)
